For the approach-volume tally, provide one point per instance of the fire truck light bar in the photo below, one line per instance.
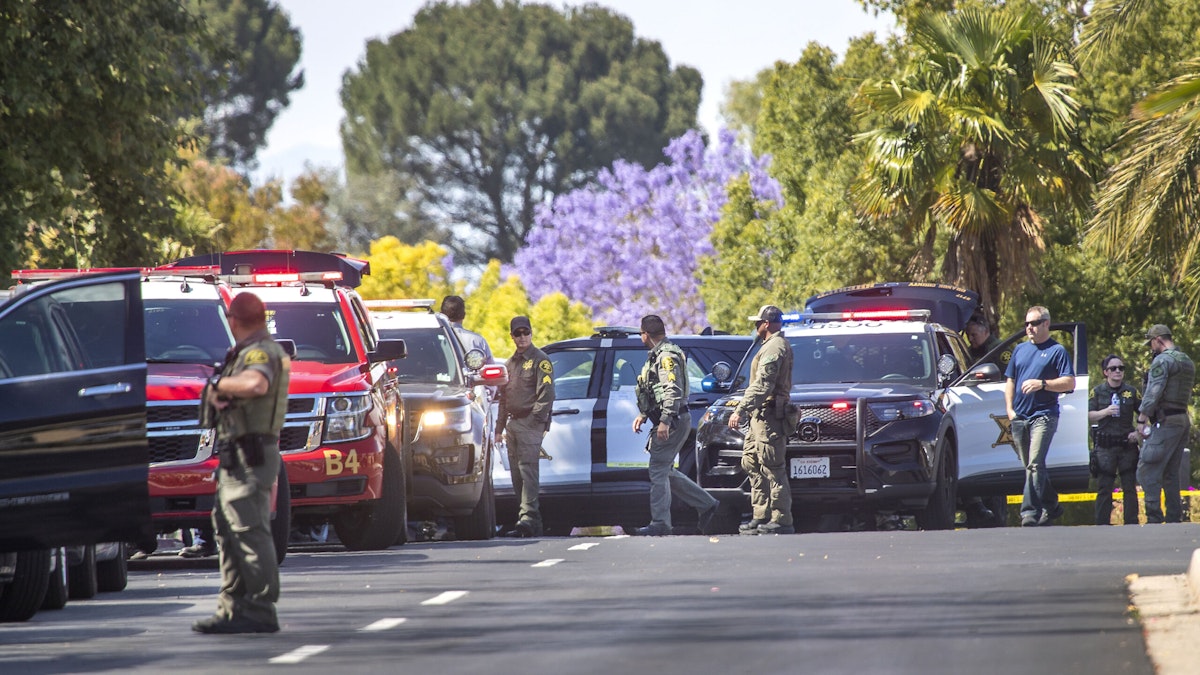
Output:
(280, 278)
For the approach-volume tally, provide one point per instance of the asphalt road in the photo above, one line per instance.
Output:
(1009, 600)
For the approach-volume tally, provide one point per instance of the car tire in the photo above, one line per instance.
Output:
(56, 589)
(21, 598)
(378, 524)
(113, 575)
(281, 524)
(481, 524)
(81, 578)
(940, 512)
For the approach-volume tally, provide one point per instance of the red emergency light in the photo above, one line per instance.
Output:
(840, 405)
(492, 371)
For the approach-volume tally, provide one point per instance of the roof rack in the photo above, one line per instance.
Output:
(401, 303)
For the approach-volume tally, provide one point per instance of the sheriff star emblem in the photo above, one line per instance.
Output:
(1005, 424)
(528, 365)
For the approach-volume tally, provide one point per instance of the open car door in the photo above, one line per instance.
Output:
(73, 419)
(988, 463)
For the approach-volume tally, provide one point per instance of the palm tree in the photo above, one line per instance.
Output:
(1148, 206)
(978, 141)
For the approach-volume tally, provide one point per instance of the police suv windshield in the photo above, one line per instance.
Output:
(826, 356)
(430, 357)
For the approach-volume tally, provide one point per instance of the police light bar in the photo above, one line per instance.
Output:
(864, 315)
(147, 272)
(281, 278)
(401, 303)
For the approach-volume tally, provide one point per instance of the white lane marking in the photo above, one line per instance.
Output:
(548, 563)
(384, 624)
(298, 655)
(583, 547)
(444, 598)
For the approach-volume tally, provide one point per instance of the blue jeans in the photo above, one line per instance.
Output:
(1031, 440)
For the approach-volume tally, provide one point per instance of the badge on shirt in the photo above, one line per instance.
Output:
(528, 365)
(255, 357)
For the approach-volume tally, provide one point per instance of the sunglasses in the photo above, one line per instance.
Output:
(522, 332)
(1116, 368)
(1035, 323)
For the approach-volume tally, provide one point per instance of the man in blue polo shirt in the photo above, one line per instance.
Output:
(1037, 373)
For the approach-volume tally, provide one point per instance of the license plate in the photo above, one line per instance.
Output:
(810, 467)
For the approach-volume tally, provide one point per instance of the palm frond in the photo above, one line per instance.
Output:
(1181, 92)
(1108, 23)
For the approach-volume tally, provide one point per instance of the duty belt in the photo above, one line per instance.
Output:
(1165, 412)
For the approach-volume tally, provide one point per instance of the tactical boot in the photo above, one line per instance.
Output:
(751, 527)
(776, 528)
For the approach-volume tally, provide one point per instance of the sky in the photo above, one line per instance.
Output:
(726, 40)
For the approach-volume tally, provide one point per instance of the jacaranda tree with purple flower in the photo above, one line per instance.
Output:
(630, 244)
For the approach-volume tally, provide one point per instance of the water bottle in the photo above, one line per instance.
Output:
(1116, 400)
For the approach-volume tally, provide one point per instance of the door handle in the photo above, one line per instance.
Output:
(106, 390)
(565, 411)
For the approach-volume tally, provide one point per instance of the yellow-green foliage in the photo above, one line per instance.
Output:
(555, 317)
(399, 270)
(493, 304)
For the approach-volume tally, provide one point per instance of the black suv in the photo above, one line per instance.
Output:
(449, 416)
(597, 474)
(72, 431)
(892, 419)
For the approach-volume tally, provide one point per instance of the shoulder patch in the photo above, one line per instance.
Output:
(545, 366)
(1157, 369)
(255, 357)
(668, 363)
(769, 358)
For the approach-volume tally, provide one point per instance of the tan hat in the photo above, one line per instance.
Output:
(768, 313)
(1157, 330)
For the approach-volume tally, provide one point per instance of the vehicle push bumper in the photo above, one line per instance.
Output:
(856, 459)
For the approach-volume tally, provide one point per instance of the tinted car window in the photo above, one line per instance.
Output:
(573, 372)
(319, 331)
(430, 356)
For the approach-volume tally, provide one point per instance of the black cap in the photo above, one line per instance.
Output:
(519, 322)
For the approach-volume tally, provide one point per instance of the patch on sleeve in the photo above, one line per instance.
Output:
(256, 357)
(668, 363)
(1157, 370)
(545, 366)
(545, 379)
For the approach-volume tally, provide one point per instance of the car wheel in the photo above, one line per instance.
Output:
(378, 524)
(21, 597)
(481, 524)
(113, 575)
(56, 590)
(81, 578)
(939, 513)
(281, 524)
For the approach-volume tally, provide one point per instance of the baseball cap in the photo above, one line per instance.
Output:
(1157, 330)
(519, 322)
(768, 313)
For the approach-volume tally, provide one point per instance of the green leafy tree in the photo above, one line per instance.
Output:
(981, 143)
(252, 65)
(814, 243)
(369, 207)
(89, 100)
(493, 303)
(493, 109)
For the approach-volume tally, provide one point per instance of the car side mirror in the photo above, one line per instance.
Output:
(288, 346)
(985, 372)
(386, 350)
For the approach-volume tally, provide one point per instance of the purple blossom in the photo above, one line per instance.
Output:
(631, 244)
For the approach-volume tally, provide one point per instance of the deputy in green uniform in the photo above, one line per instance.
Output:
(662, 397)
(525, 406)
(1163, 422)
(767, 402)
(249, 397)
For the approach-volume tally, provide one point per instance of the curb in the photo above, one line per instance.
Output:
(1193, 576)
